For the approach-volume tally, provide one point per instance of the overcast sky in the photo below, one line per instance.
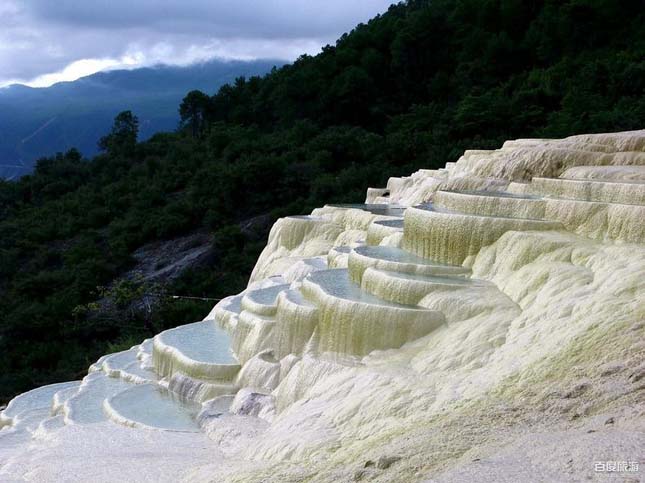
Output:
(47, 41)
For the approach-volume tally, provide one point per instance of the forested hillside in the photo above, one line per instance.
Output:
(39, 122)
(412, 88)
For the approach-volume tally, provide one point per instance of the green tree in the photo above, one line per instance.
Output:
(123, 136)
(194, 111)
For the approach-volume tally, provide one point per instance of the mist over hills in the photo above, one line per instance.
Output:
(36, 122)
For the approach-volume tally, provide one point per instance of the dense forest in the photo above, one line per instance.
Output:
(411, 88)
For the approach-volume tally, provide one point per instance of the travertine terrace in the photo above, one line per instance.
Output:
(480, 322)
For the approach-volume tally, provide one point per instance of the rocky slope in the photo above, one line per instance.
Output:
(481, 322)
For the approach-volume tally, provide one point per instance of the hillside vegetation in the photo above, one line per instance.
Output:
(411, 88)
(37, 122)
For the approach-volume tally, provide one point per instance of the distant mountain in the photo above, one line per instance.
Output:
(40, 122)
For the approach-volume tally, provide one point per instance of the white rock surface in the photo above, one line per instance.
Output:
(497, 336)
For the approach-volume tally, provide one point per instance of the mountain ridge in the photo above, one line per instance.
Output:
(40, 121)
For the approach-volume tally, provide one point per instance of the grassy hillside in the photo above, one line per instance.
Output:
(412, 88)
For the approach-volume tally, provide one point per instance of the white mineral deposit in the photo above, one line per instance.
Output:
(480, 322)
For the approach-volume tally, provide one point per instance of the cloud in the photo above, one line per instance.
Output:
(44, 41)
(78, 69)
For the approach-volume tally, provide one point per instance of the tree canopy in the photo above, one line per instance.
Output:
(194, 112)
(123, 136)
